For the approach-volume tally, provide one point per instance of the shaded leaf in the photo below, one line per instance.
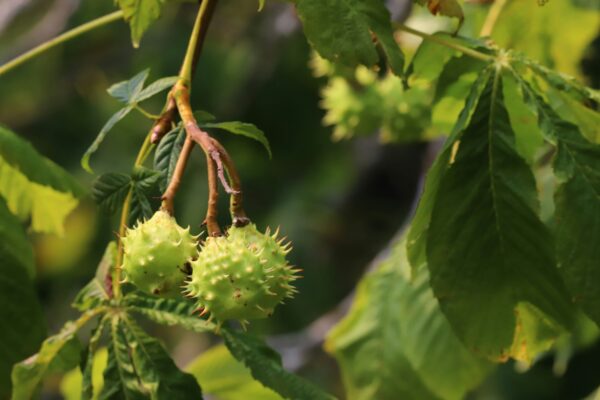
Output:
(340, 30)
(70, 386)
(395, 329)
(94, 293)
(577, 203)
(140, 206)
(14, 242)
(156, 87)
(23, 327)
(130, 90)
(109, 190)
(119, 115)
(225, 378)
(265, 366)
(140, 368)
(146, 179)
(416, 239)
(140, 14)
(169, 312)
(34, 186)
(87, 384)
(487, 251)
(59, 353)
(243, 129)
(167, 154)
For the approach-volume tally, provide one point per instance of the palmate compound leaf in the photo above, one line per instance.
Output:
(130, 92)
(490, 257)
(265, 365)
(59, 353)
(34, 186)
(23, 323)
(396, 343)
(577, 203)
(140, 368)
(341, 31)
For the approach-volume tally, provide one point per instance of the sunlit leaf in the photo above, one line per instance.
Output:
(140, 14)
(59, 353)
(34, 186)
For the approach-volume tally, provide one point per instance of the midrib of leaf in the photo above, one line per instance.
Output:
(115, 335)
(491, 169)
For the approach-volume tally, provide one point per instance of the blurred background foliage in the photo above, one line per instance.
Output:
(339, 201)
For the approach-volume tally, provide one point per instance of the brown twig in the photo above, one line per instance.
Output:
(212, 225)
(236, 204)
(169, 196)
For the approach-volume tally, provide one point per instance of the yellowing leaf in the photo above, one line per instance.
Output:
(48, 207)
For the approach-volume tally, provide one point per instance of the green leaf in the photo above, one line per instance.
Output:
(140, 368)
(340, 30)
(243, 129)
(59, 353)
(167, 153)
(225, 378)
(145, 178)
(87, 384)
(490, 257)
(453, 87)
(141, 208)
(140, 14)
(129, 91)
(416, 239)
(169, 312)
(94, 293)
(23, 327)
(14, 241)
(261, 4)
(71, 384)
(119, 115)
(562, 82)
(396, 343)
(265, 366)
(577, 203)
(109, 190)
(528, 137)
(34, 186)
(526, 27)
(156, 87)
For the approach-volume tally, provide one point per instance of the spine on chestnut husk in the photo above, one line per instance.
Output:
(241, 276)
(156, 252)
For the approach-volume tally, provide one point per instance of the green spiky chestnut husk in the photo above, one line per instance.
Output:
(242, 275)
(155, 254)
